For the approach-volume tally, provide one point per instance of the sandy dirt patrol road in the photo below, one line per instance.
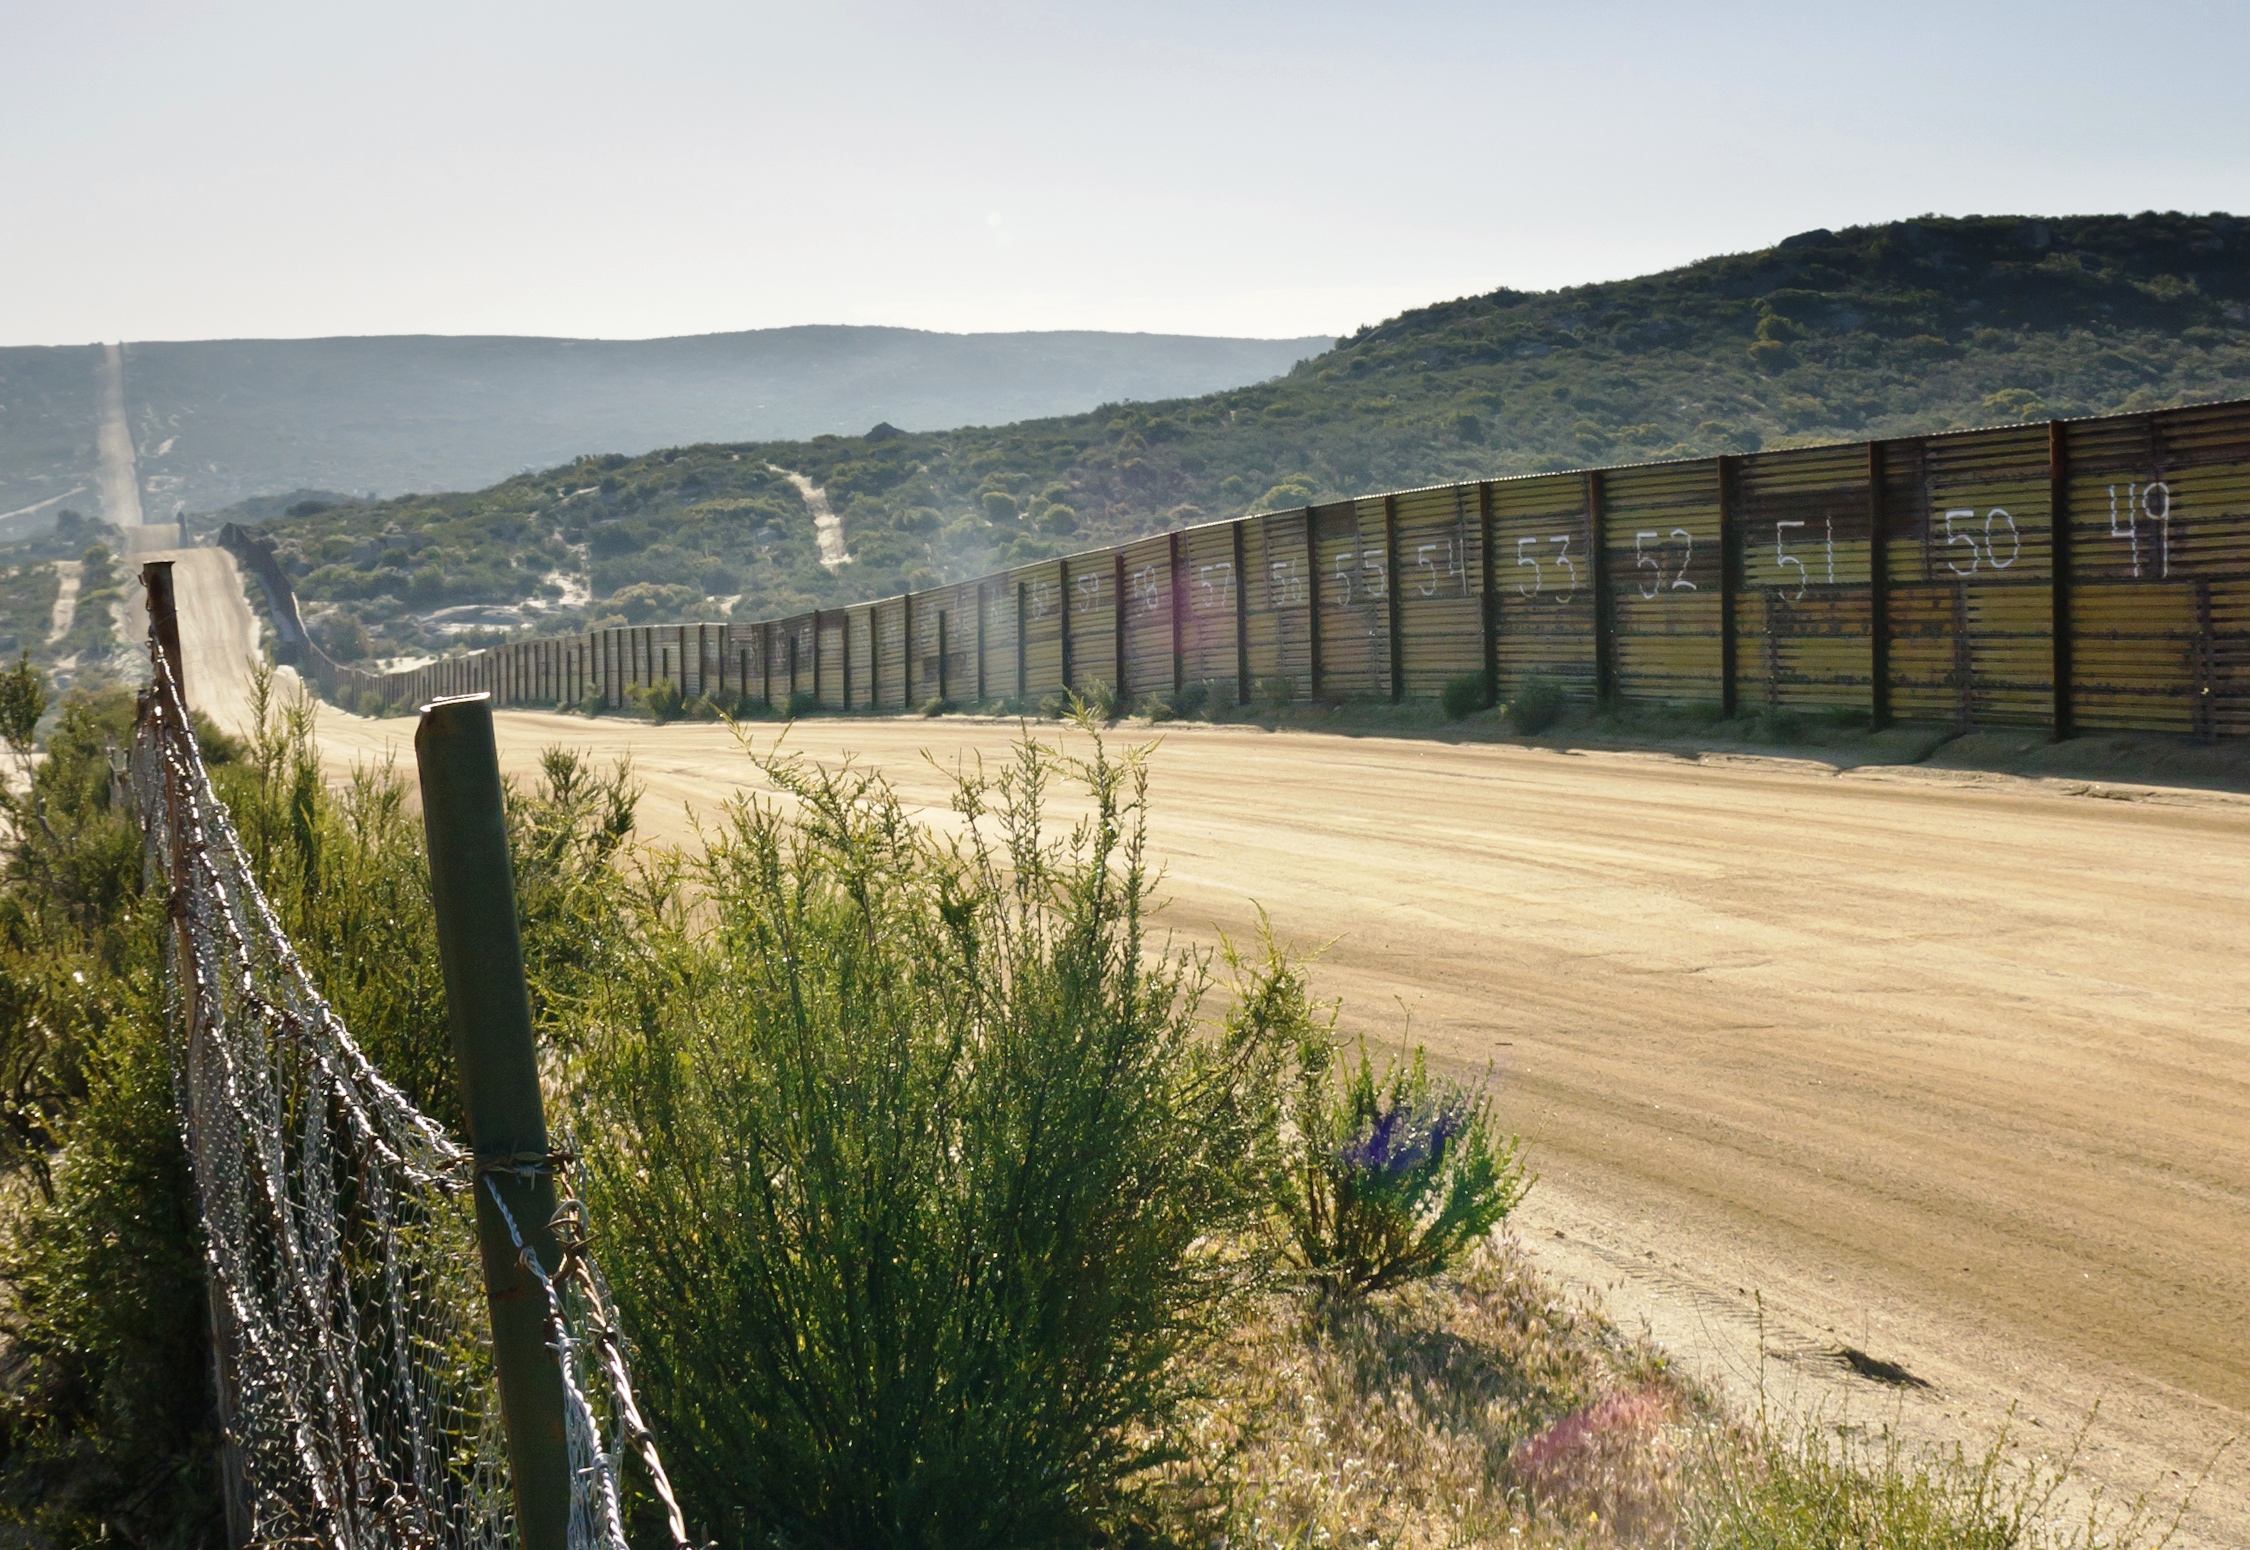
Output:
(1951, 1070)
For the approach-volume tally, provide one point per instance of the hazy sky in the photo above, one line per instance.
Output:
(211, 168)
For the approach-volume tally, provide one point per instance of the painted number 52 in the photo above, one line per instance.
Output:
(1650, 559)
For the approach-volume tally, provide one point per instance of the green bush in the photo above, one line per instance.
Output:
(594, 704)
(1781, 725)
(662, 700)
(802, 703)
(1463, 694)
(1276, 694)
(937, 705)
(1096, 701)
(1393, 1178)
(1535, 706)
(930, 1177)
(1181, 704)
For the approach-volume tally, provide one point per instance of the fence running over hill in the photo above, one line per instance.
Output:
(351, 1341)
(2080, 575)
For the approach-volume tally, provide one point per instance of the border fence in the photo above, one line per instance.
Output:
(2075, 574)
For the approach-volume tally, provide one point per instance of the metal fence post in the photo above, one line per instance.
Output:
(473, 892)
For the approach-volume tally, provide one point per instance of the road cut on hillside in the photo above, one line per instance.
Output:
(1909, 1094)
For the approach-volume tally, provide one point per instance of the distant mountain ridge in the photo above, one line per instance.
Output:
(218, 421)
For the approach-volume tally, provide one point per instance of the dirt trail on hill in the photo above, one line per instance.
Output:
(1952, 1071)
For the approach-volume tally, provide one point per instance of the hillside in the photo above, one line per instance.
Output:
(1908, 327)
(217, 421)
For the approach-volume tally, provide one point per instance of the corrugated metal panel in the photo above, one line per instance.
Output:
(1148, 617)
(1279, 580)
(960, 632)
(1542, 545)
(1661, 531)
(1090, 589)
(828, 682)
(1804, 625)
(1437, 536)
(1040, 606)
(999, 638)
(1355, 656)
(1208, 637)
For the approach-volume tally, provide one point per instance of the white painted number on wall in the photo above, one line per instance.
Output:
(1145, 588)
(1961, 530)
(1527, 557)
(2153, 501)
(1287, 583)
(1214, 586)
(1651, 559)
(1039, 599)
(1089, 593)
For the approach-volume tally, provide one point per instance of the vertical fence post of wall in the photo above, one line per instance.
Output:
(1062, 624)
(1172, 573)
(944, 676)
(1314, 686)
(1390, 599)
(1023, 650)
(1605, 606)
(1117, 622)
(1730, 574)
(906, 649)
(1488, 597)
(1241, 619)
(1878, 592)
(984, 611)
(2060, 623)
(472, 893)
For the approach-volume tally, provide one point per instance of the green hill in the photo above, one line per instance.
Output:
(1884, 330)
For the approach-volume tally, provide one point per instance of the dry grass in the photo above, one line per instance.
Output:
(1488, 1408)
(1484, 1408)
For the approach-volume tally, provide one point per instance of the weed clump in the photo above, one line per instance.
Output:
(1535, 706)
(1464, 694)
(1181, 704)
(1393, 1178)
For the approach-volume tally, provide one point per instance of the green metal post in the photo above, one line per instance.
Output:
(474, 894)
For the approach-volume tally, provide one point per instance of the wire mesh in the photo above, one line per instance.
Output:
(353, 1364)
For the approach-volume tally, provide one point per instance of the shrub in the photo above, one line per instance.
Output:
(929, 1173)
(1181, 704)
(1780, 725)
(802, 703)
(593, 704)
(1096, 701)
(662, 700)
(1463, 694)
(1535, 707)
(1393, 1178)
(1277, 693)
(937, 705)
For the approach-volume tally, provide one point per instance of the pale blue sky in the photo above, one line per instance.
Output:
(210, 168)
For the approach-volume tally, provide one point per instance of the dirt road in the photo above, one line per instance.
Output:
(1950, 1070)
(120, 476)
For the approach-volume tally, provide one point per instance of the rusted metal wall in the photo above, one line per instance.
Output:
(1664, 567)
(1917, 579)
(1090, 619)
(1278, 577)
(1543, 582)
(1437, 543)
